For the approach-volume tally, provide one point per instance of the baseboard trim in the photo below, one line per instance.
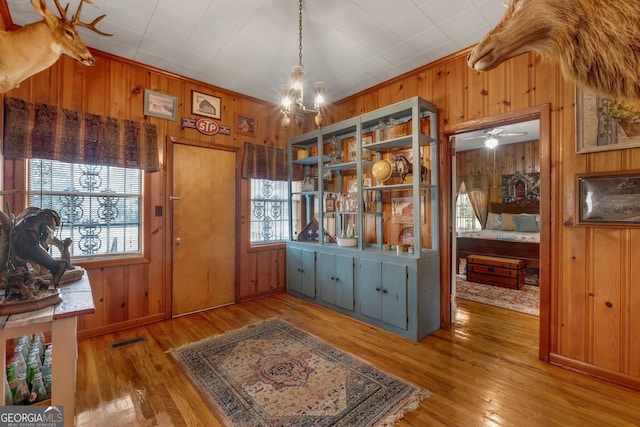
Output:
(119, 326)
(595, 371)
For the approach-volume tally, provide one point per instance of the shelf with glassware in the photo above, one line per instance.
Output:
(312, 182)
(371, 275)
(402, 180)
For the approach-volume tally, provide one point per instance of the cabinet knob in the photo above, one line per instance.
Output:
(337, 279)
(384, 291)
(378, 289)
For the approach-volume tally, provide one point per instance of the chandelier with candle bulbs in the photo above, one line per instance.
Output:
(293, 94)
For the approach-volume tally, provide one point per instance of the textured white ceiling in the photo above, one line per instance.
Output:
(249, 46)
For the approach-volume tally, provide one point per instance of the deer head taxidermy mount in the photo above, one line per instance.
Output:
(38, 45)
(596, 42)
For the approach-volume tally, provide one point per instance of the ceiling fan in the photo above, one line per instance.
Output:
(491, 136)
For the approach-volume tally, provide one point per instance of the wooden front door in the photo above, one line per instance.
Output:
(203, 200)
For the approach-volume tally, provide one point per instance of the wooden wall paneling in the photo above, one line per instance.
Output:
(569, 242)
(424, 84)
(117, 283)
(97, 277)
(546, 78)
(249, 275)
(98, 94)
(497, 96)
(572, 288)
(476, 94)
(607, 313)
(119, 90)
(625, 295)
(632, 336)
(137, 298)
(457, 82)
(573, 296)
(72, 87)
(133, 93)
(159, 234)
(267, 275)
(440, 95)
(519, 82)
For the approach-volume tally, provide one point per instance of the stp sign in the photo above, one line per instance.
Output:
(207, 126)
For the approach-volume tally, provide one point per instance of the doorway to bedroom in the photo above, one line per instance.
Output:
(500, 214)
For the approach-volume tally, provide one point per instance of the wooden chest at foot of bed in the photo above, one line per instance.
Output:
(505, 272)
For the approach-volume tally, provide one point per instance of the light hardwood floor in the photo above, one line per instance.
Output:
(483, 371)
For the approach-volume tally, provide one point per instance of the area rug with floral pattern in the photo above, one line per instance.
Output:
(273, 374)
(525, 300)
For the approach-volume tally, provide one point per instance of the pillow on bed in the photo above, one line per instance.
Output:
(493, 221)
(508, 224)
(526, 223)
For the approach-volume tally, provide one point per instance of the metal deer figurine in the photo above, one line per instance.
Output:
(596, 42)
(38, 45)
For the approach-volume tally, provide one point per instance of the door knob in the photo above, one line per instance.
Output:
(178, 241)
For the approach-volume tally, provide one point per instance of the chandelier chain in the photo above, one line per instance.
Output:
(300, 33)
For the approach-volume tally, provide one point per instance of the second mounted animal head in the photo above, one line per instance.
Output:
(596, 42)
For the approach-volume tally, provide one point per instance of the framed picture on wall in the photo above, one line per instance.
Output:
(205, 105)
(609, 199)
(245, 125)
(160, 105)
(604, 124)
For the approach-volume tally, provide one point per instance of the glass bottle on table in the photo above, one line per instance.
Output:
(11, 378)
(47, 385)
(8, 396)
(19, 360)
(21, 395)
(38, 390)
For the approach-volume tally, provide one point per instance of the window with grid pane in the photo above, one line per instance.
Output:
(269, 212)
(465, 217)
(99, 206)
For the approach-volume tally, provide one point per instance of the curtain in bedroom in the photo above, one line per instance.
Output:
(478, 191)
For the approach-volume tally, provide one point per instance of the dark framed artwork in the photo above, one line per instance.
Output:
(205, 105)
(160, 105)
(609, 199)
(245, 124)
(520, 186)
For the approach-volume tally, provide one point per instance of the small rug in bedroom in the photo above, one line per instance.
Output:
(272, 374)
(525, 300)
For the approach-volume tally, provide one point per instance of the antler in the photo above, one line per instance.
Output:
(75, 19)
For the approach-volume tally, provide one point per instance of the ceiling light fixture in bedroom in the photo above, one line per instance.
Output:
(491, 142)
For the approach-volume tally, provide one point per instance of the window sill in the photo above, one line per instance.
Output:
(105, 262)
(264, 247)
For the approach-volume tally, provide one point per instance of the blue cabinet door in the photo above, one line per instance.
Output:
(394, 295)
(301, 271)
(308, 274)
(383, 292)
(326, 278)
(335, 280)
(370, 288)
(294, 265)
(344, 282)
